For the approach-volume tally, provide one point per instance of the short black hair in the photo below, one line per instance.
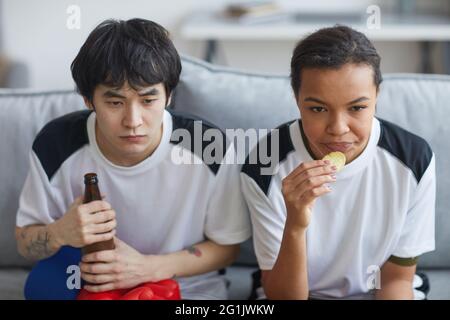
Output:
(332, 48)
(137, 51)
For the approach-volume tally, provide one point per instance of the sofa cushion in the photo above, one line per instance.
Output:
(12, 283)
(419, 103)
(22, 115)
(229, 99)
(439, 284)
(234, 99)
(241, 283)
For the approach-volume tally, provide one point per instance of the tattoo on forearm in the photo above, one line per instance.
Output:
(39, 248)
(195, 251)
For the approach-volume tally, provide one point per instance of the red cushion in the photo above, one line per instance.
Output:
(161, 290)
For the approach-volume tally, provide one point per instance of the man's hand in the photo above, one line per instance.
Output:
(121, 268)
(84, 224)
(302, 187)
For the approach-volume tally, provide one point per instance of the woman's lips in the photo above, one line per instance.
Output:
(342, 146)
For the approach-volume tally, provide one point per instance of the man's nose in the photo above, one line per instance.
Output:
(133, 116)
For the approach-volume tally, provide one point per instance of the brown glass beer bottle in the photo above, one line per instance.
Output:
(92, 193)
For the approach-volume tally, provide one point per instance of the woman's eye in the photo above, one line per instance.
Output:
(317, 109)
(358, 108)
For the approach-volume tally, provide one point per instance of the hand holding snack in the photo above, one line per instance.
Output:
(337, 158)
(306, 183)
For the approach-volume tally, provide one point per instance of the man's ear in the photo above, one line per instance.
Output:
(88, 103)
(169, 100)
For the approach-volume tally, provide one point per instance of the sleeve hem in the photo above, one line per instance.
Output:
(230, 238)
(22, 221)
(266, 267)
(404, 262)
(413, 252)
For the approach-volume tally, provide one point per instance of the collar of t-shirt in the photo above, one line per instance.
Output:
(156, 157)
(361, 162)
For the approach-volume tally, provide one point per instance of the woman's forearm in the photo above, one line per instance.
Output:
(289, 277)
(395, 290)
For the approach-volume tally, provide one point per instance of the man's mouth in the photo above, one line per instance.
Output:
(133, 138)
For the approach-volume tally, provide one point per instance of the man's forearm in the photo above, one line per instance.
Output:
(37, 242)
(289, 277)
(200, 258)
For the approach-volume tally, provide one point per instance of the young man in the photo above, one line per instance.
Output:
(167, 219)
(323, 234)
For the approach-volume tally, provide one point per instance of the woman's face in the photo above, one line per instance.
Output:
(337, 107)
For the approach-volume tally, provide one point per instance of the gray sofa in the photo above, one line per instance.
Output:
(230, 99)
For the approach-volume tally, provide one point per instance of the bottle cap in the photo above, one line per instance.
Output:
(90, 178)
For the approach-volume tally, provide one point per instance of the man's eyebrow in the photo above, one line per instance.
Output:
(360, 99)
(149, 92)
(112, 94)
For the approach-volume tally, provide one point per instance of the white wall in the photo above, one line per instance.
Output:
(35, 33)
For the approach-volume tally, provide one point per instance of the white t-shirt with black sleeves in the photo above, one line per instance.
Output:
(381, 206)
(161, 207)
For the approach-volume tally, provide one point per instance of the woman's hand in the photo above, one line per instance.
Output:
(302, 187)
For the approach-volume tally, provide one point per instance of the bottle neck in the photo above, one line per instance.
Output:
(91, 193)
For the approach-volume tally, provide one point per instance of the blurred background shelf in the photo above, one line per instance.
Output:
(213, 27)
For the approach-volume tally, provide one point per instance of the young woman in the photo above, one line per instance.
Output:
(356, 233)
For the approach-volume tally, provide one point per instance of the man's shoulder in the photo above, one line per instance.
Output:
(199, 137)
(59, 139)
(413, 151)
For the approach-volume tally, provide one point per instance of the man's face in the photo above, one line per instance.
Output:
(337, 107)
(129, 121)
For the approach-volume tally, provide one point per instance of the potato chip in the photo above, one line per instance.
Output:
(337, 158)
